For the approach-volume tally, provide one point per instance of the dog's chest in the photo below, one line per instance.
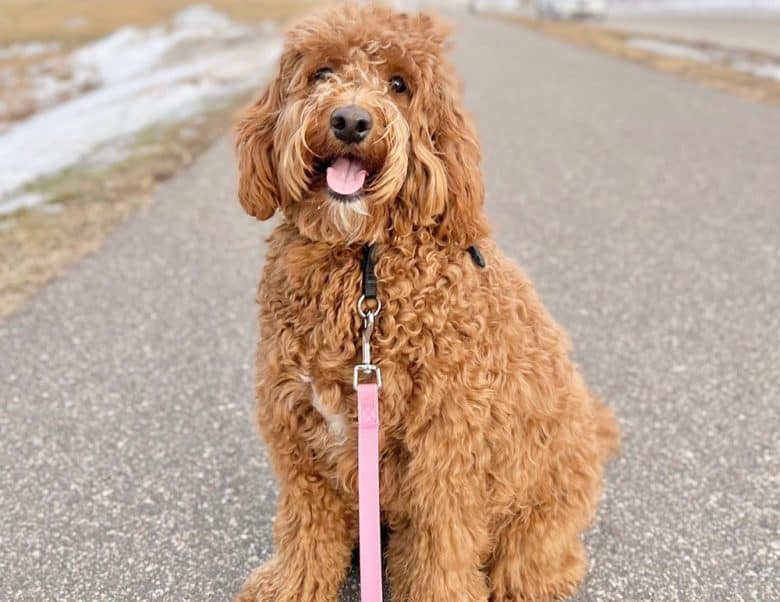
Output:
(424, 309)
(310, 321)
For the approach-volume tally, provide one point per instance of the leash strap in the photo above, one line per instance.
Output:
(368, 493)
(368, 435)
(368, 307)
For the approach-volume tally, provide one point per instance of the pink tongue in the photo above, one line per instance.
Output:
(346, 176)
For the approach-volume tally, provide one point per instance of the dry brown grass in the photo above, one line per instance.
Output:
(36, 244)
(74, 22)
(716, 74)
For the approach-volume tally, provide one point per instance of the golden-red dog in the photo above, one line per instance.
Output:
(492, 447)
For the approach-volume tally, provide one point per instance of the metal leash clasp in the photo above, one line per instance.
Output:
(366, 366)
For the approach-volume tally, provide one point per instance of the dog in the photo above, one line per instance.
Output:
(492, 448)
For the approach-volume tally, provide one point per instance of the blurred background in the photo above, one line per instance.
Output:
(100, 100)
(631, 153)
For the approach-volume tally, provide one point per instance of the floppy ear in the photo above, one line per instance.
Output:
(444, 182)
(258, 185)
(455, 139)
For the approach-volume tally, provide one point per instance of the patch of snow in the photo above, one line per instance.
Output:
(28, 49)
(107, 154)
(669, 49)
(734, 59)
(131, 51)
(203, 17)
(765, 70)
(20, 201)
(506, 5)
(709, 7)
(123, 54)
(139, 77)
(50, 208)
(50, 89)
(268, 27)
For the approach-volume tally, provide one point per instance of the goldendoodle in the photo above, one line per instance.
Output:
(492, 448)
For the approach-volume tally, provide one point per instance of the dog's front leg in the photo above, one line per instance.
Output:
(314, 536)
(314, 528)
(436, 554)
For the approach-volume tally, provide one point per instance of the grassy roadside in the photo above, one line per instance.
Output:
(88, 201)
(75, 22)
(616, 43)
(57, 27)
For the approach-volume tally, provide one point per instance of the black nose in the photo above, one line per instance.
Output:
(350, 124)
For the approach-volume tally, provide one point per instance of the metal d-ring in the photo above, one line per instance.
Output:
(365, 312)
(367, 366)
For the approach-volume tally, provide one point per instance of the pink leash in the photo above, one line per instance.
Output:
(368, 464)
(368, 493)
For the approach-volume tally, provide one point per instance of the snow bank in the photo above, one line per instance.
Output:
(28, 49)
(20, 201)
(140, 77)
(734, 59)
(669, 49)
(690, 7)
(203, 17)
(130, 51)
(765, 70)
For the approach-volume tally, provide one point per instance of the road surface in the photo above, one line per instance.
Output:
(644, 206)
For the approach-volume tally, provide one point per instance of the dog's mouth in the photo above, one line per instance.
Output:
(345, 177)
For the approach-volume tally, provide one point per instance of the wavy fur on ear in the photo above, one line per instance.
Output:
(258, 188)
(463, 220)
(444, 182)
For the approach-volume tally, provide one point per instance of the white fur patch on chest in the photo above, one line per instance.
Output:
(337, 425)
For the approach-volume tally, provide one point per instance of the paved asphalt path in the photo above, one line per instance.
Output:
(645, 207)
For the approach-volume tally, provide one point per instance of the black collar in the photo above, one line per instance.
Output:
(369, 260)
(369, 277)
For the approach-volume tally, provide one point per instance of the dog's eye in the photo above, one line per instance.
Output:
(322, 74)
(397, 84)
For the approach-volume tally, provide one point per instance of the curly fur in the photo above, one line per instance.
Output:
(492, 448)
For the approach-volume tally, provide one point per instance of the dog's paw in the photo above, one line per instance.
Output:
(275, 581)
(263, 585)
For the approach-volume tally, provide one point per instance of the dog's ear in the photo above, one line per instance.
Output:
(444, 181)
(258, 185)
(455, 140)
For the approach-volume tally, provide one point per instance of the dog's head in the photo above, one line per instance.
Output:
(361, 133)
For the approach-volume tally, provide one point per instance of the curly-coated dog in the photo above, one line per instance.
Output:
(492, 447)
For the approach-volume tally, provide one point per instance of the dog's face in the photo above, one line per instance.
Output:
(361, 133)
